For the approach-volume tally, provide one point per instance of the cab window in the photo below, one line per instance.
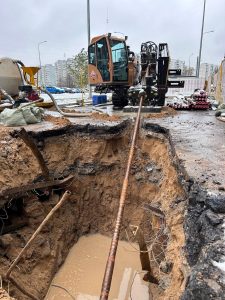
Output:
(120, 60)
(103, 59)
(91, 55)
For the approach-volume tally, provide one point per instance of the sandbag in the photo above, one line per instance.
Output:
(32, 114)
(22, 116)
(221, 106)
(38, 112)
(12, 117)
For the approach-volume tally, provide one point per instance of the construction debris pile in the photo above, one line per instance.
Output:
(198, 101)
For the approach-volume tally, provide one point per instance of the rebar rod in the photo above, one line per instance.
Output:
(106, 284)
(65, 196)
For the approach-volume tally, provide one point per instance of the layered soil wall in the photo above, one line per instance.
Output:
(97, 160)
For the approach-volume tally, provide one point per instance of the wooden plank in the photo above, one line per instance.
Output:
(17, 191)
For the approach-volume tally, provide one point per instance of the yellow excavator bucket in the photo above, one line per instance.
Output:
(31, 72)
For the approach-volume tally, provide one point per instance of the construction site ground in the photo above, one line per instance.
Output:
(199, 141)
(178, 165)
(198, 137)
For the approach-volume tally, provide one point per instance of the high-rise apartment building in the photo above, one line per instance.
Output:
(61, 72)
(47, 75)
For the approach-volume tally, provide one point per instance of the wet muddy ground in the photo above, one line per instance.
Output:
(178, 163)
(199, 139)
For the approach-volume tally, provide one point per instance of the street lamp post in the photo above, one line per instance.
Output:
(39, 55)
(199, 61)
(200, 48)
(88, 22)
(89, 38)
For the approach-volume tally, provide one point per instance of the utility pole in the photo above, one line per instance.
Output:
(88, 22)
(200, 48)
(89, 38)
(196, 70)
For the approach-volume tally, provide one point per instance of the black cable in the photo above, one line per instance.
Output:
(60, 287)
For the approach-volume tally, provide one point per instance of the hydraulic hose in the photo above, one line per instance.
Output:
(12, 101)
(19, 62)
(62, 112)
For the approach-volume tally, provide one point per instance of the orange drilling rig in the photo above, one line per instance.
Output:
(114, 67)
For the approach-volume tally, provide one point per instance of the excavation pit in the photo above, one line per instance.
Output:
(95, 155)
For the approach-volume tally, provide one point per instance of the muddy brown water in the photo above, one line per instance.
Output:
(83, 270)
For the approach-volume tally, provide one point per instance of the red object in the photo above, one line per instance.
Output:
(33, 96)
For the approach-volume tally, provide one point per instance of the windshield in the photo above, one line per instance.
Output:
(120, 60)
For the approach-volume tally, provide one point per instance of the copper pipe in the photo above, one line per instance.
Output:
(106, 284)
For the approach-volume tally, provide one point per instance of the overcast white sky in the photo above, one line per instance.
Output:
(62, 23)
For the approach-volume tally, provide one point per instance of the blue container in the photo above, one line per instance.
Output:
(99, 99)
(95, 100)
(103, 99)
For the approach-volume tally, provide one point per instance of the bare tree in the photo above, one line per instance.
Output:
(79, 69)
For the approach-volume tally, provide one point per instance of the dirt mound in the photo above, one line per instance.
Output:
(104, 117)
(60, 121)
(166, 112)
